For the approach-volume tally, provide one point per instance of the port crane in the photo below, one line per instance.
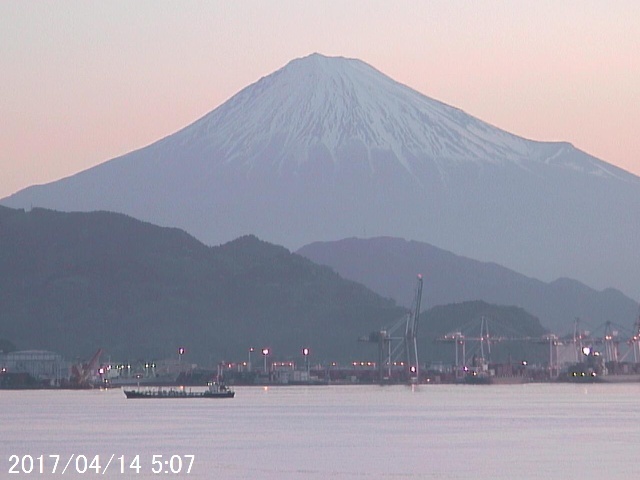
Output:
(634, 341)
(81, 373)
(459, 339)
(609, 340)
(393, 348)
(411, 334)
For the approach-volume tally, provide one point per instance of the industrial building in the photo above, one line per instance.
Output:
(44, 367)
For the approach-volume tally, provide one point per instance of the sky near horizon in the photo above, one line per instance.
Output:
(87, 81)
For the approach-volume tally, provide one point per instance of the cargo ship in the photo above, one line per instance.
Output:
(594, 369)
(580, 373)
(215, 390)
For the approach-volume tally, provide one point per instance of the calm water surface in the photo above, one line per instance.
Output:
(440, 431)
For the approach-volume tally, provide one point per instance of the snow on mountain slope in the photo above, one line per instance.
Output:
(329, 104)
(327, 148)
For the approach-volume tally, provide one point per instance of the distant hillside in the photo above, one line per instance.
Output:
(388, 266)
(73, 282)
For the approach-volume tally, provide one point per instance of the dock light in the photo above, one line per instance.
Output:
(251, 350)
(265, 353)
(305, 353)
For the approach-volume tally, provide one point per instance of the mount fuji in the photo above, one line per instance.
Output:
(327, 148)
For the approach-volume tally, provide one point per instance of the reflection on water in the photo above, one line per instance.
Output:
(440, 431)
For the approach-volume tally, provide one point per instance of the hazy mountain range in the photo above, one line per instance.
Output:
(389, 267)
(330, 148)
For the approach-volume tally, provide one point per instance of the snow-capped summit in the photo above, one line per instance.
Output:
(329, 147)
(335, 104)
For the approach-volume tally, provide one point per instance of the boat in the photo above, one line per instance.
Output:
(490, 378)
(215, 390)
(580, 374)
(594, 369)
(480, 372)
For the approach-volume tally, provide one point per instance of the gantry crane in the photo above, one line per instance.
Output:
(634, 342)
(405, 348)
(411, 335)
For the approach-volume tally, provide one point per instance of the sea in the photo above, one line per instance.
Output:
(528, 431)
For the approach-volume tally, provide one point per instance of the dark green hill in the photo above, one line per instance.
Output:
(73, 282)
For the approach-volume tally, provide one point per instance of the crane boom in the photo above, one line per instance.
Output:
(411, 333)
(384, 338)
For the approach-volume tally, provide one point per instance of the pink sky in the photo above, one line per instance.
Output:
(83, 81)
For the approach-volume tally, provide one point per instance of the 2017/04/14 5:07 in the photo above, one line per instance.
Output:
(94, 464)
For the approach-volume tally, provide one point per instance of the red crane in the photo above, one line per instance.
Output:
(82, 372)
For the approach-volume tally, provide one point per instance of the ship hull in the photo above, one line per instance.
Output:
(168, 394)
